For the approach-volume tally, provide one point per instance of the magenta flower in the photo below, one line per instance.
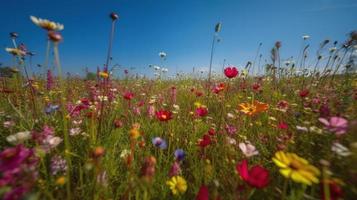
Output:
(338, 125)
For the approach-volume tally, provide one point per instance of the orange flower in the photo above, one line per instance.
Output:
(253, 108)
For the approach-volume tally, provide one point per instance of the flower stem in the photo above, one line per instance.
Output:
(65, 124)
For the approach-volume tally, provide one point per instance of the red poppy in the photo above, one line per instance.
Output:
(230, 72)
(201, 111)
(257, 176)
(203, 193)
(256, 86)
(163, 115)
(128, 95)
(303, 93)
(283, 125)
(205, 141)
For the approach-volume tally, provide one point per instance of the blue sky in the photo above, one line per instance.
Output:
(181, 28)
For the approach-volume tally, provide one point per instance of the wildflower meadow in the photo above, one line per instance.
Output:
(267, 130)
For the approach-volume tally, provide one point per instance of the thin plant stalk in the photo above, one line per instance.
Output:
(65, 123)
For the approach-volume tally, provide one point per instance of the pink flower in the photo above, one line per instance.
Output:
(248, 149)
(201, 111)
(335, 124)
(257, 176)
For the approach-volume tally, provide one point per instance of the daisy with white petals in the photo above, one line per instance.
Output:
(47, 24)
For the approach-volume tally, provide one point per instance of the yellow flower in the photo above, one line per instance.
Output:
(253, 108)
(177, 185)
(61, 180)
(134, 131)
(46, 24)
(297, 168)
(197, 104)
(15, 51)
(103, 74)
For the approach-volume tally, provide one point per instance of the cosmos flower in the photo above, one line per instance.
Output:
(177, 184)
(46, 24)
(201, 111)
(248, 149)
(257, 176)
(203, 193)
(338, 125)
(340, 150)
(253, 108)
(297, 168)
(159, 142)
(205, 141)
(231, 72)
(163, 115)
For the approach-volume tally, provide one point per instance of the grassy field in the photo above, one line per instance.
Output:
(279, 135)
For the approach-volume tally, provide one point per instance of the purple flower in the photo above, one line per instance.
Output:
(58, 165)
(18, 167)
(175, 169)
(51, 108)
(159, 142)
(179, 154)
(12, 158)
(231, 129)
(335, 124)
(50, 81)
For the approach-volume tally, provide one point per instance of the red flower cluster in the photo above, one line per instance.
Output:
(163, 115)
(230, 72)
(257, 176)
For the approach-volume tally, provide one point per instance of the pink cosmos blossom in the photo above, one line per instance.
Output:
(335, 124)
(248, 149)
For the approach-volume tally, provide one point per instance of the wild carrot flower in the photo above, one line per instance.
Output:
(253, 108)
(46, 24)
(257, 176)
(19, 137)
(297, 168)
(338, 125)
(231, 72)
(177, 184)
(248, 149)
